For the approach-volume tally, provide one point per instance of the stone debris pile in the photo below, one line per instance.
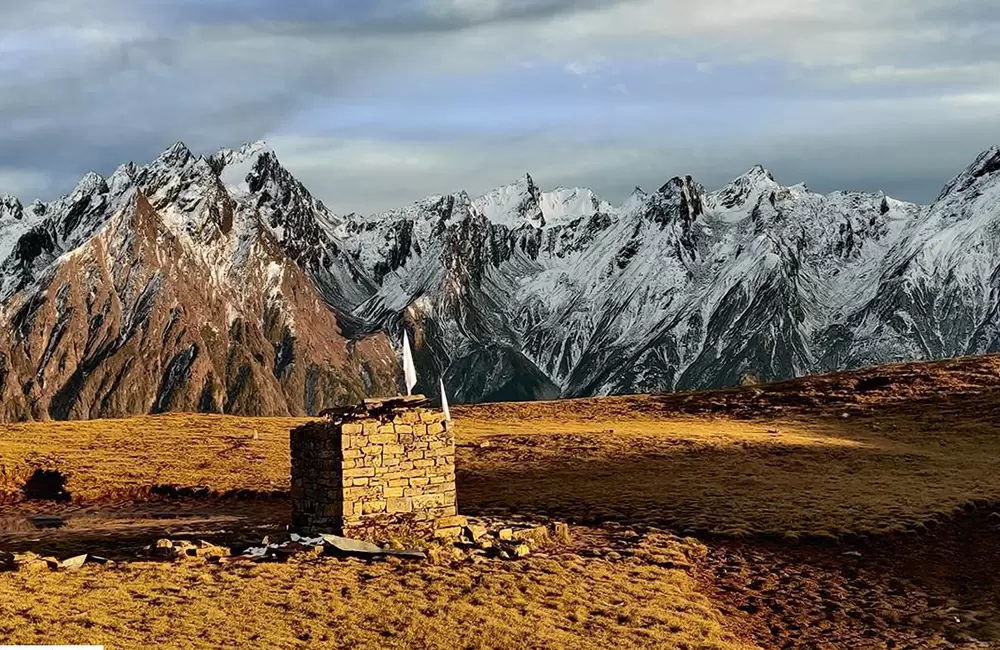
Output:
(170, 550)
(34, 562)
(478, 540)
(474, 540)
(375, 407)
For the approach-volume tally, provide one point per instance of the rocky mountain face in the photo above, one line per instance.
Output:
(163, 289)
(221, 284)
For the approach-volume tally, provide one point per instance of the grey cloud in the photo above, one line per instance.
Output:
(218, 73)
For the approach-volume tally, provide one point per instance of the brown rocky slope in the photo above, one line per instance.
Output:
(182, 299)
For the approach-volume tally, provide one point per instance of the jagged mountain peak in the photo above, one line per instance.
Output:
(513, 205)
(676, 183)
(10, 208)
(634, 202)
(176, 155)
(91, 183)
(758, 174)
(567, 204)
(244, 156)
(985, 166)
(744, 190)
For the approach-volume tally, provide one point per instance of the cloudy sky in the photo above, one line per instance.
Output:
(377, 103)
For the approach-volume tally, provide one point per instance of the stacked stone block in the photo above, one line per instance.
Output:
(367, 476)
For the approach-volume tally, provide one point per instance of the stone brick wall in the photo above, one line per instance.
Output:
(365, 477)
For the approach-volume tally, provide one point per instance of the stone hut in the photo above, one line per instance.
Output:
(383, 467)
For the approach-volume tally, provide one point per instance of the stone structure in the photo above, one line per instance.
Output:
(365, 472)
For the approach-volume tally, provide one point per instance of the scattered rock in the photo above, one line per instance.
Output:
(457, 521)
(485, 444)
(535, 535)
(852, 553)
(163, 548)
(73, 563)
(210, 551)
(560, 531)
(185, 548)
(521, 550)
(448, 533)
(475, 532)
(32, 562)
(506, 534)
(350, 546)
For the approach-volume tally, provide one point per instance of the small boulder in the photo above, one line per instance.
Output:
(448, 533)
(210, 551)
(505, 534)
(74, 563)
(535, 535)
(163, 548)
(184, 548)
(456, 521)
(521, 550)
(560, 531)
(30, 562)
(475, 532)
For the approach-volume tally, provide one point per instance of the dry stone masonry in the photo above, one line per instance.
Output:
(380, 468)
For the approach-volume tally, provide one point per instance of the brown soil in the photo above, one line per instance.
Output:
(938, 590)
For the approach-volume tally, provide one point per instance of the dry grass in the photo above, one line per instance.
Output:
(632, 460)
(779, 461)
(918, 442)
(563, 602)
(105, 459)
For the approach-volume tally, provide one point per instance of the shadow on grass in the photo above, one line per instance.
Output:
(46, 485)
(794, 491)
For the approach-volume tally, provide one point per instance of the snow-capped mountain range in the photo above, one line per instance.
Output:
(220, 283)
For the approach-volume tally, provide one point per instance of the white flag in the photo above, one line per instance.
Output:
(444, 402)
(409, 370)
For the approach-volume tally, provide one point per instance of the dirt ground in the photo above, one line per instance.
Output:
(855, 510)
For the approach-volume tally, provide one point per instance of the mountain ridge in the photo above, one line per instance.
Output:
(521, 293)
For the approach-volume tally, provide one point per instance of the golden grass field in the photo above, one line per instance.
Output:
(563, 602)
(849, 456)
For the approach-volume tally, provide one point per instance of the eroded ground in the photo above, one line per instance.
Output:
(848, 511)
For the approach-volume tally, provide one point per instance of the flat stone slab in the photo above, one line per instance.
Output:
(47, 521)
